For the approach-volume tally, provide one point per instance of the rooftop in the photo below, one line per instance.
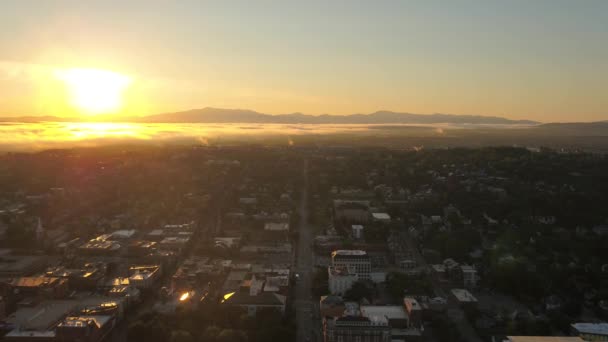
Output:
(15, 264)
(464, 296)
(388, 311)
(543, 339)
(142, 272)
(124, 234)
(42, 316)
(79, 322)
(277, 226)
(591, 328)
(264, 298)
(348, 252)
(156, 232)
(381, 216)
(175, 240)
(100, 244)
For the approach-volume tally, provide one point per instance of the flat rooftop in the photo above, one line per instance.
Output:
(591, 328)
(381, 216)
(348, 252)
(276, 226)
(544, 339)
(464, 296)
(388, 311)
(124, 233)
(83, 321)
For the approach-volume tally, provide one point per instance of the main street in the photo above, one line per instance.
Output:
(306, 329)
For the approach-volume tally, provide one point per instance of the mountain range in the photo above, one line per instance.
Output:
(218, 115)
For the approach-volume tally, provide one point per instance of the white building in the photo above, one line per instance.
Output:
(463, 297)
(356, 259)
(469, 276)
(357, 231)
(341, 279)
(381, 217)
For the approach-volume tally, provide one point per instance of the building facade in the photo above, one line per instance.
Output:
(356, 328)
(341, 279)
(353, 259)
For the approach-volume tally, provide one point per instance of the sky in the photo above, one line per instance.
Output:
(544, 60)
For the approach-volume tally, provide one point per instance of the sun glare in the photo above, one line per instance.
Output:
(94, 91)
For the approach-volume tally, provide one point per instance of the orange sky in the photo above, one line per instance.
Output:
(542, 60)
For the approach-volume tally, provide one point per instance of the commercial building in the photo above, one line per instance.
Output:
(86, 278)
(395, 314)
(464, 297)
(253, 301)
(351, 211)
(381, 217)
(43, 321)
(100, 246)
(143, 277)
(356, 328)
(140, 248)
(21, 265)
(341, 279)
(469, 276)
(123, 234)
(357, 231)
(40, 287)
(84, 328)
(414, 311)
(353, 259)
(175, 243)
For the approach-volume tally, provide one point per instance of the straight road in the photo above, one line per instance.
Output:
(306, 330)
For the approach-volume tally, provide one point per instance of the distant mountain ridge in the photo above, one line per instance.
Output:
(598, 128)
(379, 118)
(218, 115)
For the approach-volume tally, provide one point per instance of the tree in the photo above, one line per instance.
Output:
(398, 284)
(210, 334)
(445, 331)
(358, 291)
(181, 336)
(319, 282)
(231, 335)
(151, 329)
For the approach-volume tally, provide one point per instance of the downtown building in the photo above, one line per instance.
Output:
(353, 326)
(356, 260)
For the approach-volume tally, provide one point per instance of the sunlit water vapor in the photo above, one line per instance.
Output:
(43, 135)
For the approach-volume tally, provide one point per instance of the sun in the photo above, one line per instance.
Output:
(94, 91)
